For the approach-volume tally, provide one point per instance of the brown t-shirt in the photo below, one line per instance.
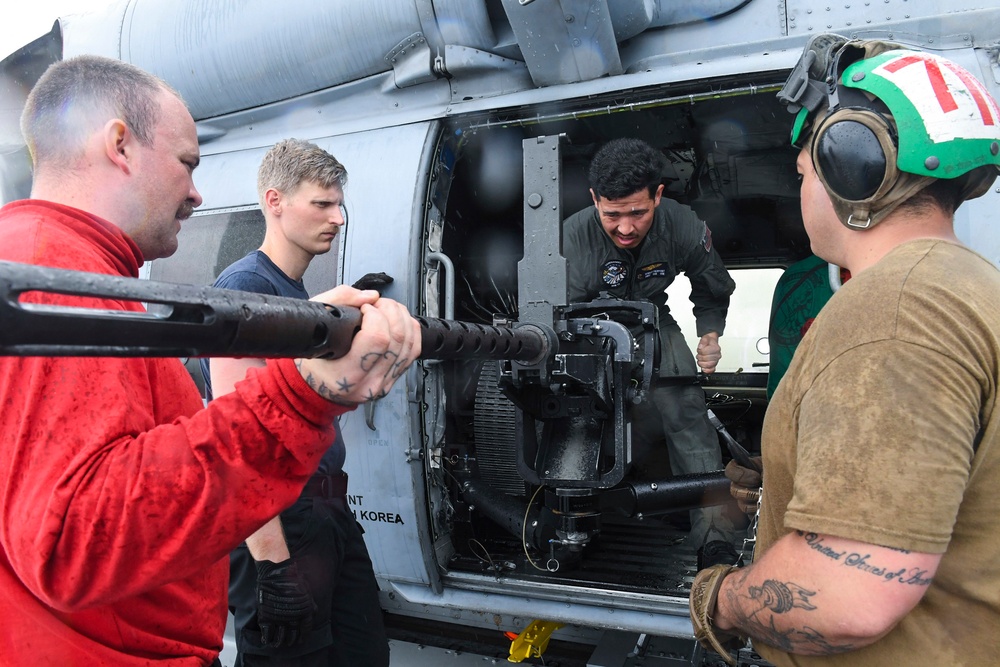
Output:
(885, 430)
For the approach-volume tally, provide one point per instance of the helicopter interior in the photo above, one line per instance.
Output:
(728, 157)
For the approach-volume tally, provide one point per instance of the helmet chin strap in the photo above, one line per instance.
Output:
(868, 213)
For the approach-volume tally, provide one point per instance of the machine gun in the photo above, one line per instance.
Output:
(572, 381)
(192, 321)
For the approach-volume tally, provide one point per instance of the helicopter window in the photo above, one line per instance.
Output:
(208, 243)
(742, 349)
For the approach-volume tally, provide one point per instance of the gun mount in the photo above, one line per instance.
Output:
(572, 371)
(573, 381)
(563, 425)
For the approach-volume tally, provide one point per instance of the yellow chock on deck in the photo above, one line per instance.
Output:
(532, 641)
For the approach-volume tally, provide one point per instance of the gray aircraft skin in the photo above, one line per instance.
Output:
(436, 108)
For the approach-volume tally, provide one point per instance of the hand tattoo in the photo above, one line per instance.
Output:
(369, 360)
(399, 368)
(372, 396)
(323, 390)
(395, 370)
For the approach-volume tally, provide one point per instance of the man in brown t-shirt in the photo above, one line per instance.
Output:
(879, 538)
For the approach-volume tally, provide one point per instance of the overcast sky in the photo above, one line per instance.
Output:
(21, 21)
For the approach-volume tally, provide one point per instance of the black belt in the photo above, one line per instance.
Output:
(326, 486)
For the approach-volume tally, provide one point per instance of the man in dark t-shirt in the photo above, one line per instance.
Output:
(302, 589)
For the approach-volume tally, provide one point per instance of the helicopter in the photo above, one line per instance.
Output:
(450, 115)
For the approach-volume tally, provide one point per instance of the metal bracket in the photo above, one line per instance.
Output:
(412, 62)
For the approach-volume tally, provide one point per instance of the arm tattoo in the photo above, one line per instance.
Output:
(862, 562)
(757, 610)
(780, 597)
(760, 610)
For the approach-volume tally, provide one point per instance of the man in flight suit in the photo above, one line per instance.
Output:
(631, 244)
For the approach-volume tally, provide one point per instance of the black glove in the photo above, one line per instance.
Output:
(375, 281)
(285, 607)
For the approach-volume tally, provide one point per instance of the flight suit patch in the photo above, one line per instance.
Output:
(614, 273)
(706, 240)
(654, 270)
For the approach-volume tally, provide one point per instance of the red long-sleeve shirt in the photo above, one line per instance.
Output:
(120, 496)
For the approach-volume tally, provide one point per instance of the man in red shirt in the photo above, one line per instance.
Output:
(120, 495)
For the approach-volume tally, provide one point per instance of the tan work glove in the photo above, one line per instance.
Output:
(745, 484)
(704, 594)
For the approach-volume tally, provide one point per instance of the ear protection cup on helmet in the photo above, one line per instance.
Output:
(854, 154)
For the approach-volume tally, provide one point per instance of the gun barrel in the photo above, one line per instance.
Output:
(192, 321)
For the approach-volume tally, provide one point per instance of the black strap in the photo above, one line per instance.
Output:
(327, 486)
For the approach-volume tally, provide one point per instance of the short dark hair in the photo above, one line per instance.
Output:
(622, 167)
(942, 193)
(64, 105)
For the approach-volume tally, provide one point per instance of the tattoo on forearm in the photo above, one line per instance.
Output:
(757, 608)
(913, 576)
(762, 611)
(780, 596)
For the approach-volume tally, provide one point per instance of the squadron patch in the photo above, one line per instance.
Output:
(706, 240)
(654, 270)
(614, 273)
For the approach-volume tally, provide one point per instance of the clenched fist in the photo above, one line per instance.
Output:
(381, 351)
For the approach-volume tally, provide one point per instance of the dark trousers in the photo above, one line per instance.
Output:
(679, 414)
(328, 546)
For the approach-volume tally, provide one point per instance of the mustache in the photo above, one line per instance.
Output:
(185, 211)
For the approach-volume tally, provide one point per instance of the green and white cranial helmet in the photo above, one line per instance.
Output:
(882, 122)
